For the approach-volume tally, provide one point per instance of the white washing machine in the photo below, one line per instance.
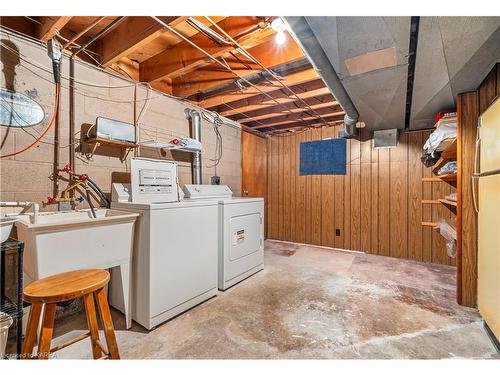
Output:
(175, 246)
(241, 232)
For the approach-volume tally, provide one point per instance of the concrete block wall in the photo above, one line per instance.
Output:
(26, 176)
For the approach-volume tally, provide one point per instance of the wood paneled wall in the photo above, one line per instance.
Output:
(376, 205)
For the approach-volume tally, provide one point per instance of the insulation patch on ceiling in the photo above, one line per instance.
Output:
(367, 62)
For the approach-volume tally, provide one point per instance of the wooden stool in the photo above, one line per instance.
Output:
(45, 293)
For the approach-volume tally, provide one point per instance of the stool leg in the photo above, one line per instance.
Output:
(109, 330)
(31, 330)
(47, 331)
(88, 300)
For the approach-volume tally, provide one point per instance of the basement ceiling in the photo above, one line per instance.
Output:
(370, 56)
(141, 49)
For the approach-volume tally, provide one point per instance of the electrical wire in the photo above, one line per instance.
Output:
(84, 93)
(49, 126)
(9, 108)
(217, 122)
(271, 73)
(223, 64)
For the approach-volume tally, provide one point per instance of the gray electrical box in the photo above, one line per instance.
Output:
(385, 138)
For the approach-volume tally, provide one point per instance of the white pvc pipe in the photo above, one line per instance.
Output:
(26, 205)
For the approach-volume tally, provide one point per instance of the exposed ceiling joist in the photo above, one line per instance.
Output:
(49, 26)
(183, 58)
(293, 124)
(239, 99)
(308, 81)
(283, 70)
(130, 35)
(322, 99)
(305, 110)
(331, 110)
(213, 76)
(268, 104)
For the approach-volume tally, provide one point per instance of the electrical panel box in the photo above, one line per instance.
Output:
(113, 130)
(385, 138)
(153, 181)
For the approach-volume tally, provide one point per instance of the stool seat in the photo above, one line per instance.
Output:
(66, 286)
(45, 294)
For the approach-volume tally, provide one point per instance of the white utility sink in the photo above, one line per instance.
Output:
(66, 241)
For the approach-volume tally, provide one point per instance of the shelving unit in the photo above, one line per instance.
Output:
(449, 154)
(168, 146)
(452, 152)
(447, 202)
(124, 146)
(12, 305)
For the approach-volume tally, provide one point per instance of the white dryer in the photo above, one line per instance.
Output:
(241, 232)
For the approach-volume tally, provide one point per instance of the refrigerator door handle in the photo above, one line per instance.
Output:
(491, 172)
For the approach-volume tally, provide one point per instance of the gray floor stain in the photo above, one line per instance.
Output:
(311, 302)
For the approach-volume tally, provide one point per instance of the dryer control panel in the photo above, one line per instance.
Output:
(207, 191)
(153, 181)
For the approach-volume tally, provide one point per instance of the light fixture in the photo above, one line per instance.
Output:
(280, 37)
(279, 26)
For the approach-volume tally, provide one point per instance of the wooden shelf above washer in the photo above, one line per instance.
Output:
(124, 146)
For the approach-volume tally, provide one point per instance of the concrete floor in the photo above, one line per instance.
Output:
(314, 303)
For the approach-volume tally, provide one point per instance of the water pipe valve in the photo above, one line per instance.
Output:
(67, 169)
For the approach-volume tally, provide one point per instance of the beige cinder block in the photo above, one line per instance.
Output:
(26, 175)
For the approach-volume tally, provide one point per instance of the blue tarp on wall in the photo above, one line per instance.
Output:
(327, 156)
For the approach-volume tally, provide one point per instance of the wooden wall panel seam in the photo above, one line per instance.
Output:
(320, 204)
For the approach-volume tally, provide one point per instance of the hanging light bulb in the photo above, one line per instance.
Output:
(278, 24)
(280, 38)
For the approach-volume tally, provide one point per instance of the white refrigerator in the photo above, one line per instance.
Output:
(489, 218)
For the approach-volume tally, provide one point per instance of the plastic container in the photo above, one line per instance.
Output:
(6, 226)
(449, 232)
(5, 323)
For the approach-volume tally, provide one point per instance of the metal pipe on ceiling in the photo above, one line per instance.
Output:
(224, 65)
(312, 48)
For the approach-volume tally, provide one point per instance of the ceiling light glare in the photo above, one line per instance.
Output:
(280, 37)
(278, 25)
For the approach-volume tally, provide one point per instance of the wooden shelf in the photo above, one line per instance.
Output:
(124, 146)
(445, 177)
(449, 154)
(448, 177)
(112, 143)
(430, 224)
(448, 202)
(430, 201)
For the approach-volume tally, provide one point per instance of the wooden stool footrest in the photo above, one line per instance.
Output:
(70, 342)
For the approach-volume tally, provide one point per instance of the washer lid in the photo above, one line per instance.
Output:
(186, 203)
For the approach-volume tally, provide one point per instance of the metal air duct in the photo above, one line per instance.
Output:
(195, 122)
(312, 49)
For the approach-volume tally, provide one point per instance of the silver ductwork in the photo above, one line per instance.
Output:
(306, 39)
(349, 130)
(195, 122)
